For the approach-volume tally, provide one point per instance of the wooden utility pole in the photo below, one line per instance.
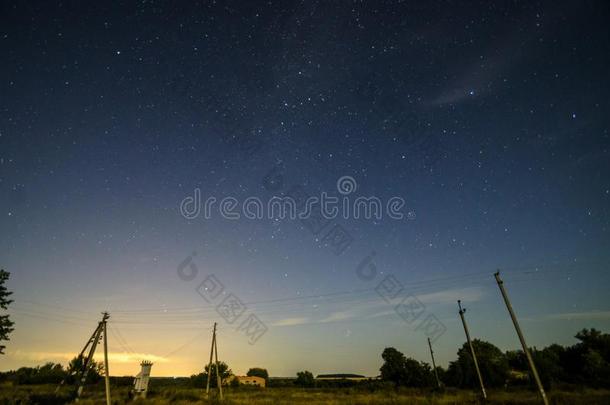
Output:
(218, 377)
(438, 382)
(80, 356)
(207, 388)
(214, 349)
(86, 366)
(107, 371)
(526, 350)
(86, 362)
(474, 356)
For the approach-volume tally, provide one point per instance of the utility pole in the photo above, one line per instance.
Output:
(213, 349)
(83, 369)
(474, 356)
(107, 371)
(438, 382)
(207, 388)
(80, 356)
(87, 362)
(218, 378)
(521, 338)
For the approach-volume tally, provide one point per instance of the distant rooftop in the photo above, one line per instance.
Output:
(339, 376)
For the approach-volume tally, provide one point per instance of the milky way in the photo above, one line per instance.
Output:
(487, 120)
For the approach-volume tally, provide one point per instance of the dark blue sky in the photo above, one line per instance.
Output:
(490, 120)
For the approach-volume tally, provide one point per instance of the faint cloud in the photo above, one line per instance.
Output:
(469, 294)
(589, 315)
(42, 356)
(338, 316)
(61, 357)
(376, 309)
(131, 357)
(291, 322)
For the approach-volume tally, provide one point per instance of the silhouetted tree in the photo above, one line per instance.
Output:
(592, 339)
(50, 373)
(393, 368)
(441, 374)
(548, 364)
(405, 371)
(517, 360)
(6, 325)
(95, 370)
(201, 379)
(258, 372)
(419, 374)
(305, 379)
(590, 358)
(492, 362)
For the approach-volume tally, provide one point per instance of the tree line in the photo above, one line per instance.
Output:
(586, 363)
(53, 373)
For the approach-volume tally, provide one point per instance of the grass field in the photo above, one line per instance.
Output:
(43, 394)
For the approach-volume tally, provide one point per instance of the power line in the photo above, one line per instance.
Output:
(304, 297)
(33, 314)
(481, 275)
(121, 341)
(189, 342)
(291, 304)
(196, 316)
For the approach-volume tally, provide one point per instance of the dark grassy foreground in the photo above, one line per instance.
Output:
(43, 394)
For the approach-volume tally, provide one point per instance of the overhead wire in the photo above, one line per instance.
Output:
(195, 315)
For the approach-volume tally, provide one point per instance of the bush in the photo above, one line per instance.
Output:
(305, 379)
(492, 363)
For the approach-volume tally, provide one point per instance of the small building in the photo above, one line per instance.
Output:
(335, 377)
(247, 380)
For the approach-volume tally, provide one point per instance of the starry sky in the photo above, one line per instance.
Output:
(489, 119)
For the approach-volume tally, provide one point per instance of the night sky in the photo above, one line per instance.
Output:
(489, 120)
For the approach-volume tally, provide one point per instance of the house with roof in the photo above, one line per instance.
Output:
(247, 380)
(334, 377)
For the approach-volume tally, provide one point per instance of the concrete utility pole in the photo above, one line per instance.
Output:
(474, 356)
(106, 369)
(526, 350)
(438, 382)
